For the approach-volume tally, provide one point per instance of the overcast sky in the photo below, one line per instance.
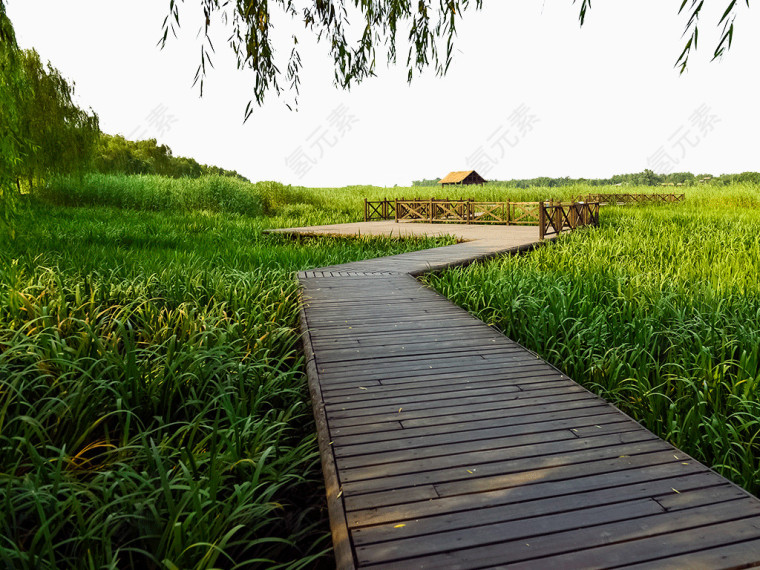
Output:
(529, 94)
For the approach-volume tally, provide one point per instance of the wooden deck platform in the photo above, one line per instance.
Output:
(447, 445)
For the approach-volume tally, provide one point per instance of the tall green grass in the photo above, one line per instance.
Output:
(658, 311)
(157, 193)
(292, 203)
(153, 405)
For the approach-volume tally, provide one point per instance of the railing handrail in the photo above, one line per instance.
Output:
(554, 218)
(551, 217)
(632, 198)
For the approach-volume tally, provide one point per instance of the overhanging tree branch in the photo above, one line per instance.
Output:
(431, 26)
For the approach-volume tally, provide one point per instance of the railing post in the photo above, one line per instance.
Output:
(365, 209)
(430, 213)
(541, 221)
(556, 209)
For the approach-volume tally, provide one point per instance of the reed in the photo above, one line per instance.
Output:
(658, 311)
(153, 404)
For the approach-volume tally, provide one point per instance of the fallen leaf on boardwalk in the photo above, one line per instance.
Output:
(470, 472)
(399, 410)
(685, 463)
(621, 456)
(676, 491)
(399, 525)
(339, 493)
(362, 388)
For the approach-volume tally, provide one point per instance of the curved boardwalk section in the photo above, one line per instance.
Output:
(447, 445)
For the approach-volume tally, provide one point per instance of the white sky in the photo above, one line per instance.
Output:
(595, 101)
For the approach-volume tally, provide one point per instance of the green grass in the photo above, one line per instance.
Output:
(658, 311)
(153, 406)
(155, 193)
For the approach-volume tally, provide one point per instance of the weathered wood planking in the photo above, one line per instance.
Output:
(446, 445)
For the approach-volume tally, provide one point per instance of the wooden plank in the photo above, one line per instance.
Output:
(343, 416)
(540, 537)
(471, 433)
(334, 372)
(702, 548)
(492, 419)
(365, 396)
(466, 370)
(463, 519)
(564, 409)
(419, 361)
(423, 348)
(377, 333)
(508, 401)
(472, 366)
(337, 386)
(614, 457)
(453, 449)
(565, 481)
(504, 462)
(396, 551)
(393, 401)
(579, 401)
(424, 363)
(407, 339)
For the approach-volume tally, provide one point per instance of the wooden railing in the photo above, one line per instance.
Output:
(460, 211)
(554, 218)
(471, 212)
(379, 209)
(621, 199)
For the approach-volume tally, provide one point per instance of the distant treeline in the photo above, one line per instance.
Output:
(117, 155)
(45, 133)
(645, 178)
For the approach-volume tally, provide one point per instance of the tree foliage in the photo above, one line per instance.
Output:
(60, 137)
(354, 33)
(430, 28)
(117, 155)
(11, 143)
(644, 178)
(693, 9)
(691, 32)
(43, 130)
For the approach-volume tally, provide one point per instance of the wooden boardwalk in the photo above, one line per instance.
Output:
(447, 445)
